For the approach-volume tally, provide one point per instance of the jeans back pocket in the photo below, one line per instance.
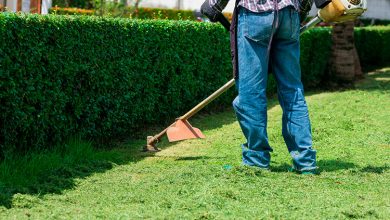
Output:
(258, 26)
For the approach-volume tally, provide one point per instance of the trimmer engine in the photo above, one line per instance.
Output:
(342, 10)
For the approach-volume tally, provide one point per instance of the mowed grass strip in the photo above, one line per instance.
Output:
(197, 179)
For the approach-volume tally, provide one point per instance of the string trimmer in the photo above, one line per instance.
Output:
(330, 11)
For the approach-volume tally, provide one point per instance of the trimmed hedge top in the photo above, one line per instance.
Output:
(140, 13)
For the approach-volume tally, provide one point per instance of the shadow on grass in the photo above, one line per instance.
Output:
(377, 170)
(336, 165)
(52, 172)
(197, 158)
(378, 80)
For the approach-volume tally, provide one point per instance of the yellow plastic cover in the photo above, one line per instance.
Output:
(332, 12)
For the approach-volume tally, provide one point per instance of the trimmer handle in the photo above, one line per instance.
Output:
(224, 21)
(214, 14)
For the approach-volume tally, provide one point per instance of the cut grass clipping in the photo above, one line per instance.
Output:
(203, 178)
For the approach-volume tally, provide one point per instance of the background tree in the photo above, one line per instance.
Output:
(344, 60)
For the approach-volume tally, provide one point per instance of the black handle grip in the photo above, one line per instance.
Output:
(224, 21)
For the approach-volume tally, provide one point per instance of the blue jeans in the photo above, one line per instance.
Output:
(254, 34)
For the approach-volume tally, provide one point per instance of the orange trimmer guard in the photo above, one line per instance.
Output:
(183, 130)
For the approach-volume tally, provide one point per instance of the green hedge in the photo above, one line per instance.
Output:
(315, 51)
(104, 78)
(371, 22)
(373, 45)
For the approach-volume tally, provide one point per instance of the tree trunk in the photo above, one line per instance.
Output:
(134, 10)
(345, 64)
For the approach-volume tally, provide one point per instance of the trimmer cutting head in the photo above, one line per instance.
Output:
(179, 130)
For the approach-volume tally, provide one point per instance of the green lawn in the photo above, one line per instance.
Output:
(192, 179)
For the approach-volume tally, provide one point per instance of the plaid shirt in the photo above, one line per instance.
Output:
(257, 5)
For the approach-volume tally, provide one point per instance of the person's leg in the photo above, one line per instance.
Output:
(296, 127)
(254, 30)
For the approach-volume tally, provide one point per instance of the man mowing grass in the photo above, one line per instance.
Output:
(266, 33)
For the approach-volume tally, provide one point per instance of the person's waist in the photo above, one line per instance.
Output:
(262, 8)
